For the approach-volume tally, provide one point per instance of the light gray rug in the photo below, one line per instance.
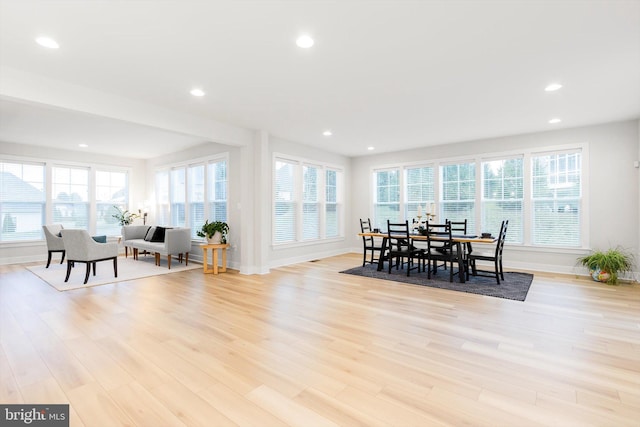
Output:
(128, 269)
(515, 286)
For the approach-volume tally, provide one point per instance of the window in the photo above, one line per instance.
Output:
(285, 203)
(70, 194)
(503, 197)
(332, 225)
(162, 197)
(310, 204)
(307, 201)
(556, 199)
(217, 184)
(192, 194)
(177, 196)
(196, 185)
(386, 204)
(22, 201)
(420, 190)
(111, 190)
(458, 193)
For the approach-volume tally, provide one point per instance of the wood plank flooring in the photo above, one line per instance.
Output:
(308, 346)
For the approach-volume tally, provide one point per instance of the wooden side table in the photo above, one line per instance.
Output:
(221, 247)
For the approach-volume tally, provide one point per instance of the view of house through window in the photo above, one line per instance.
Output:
(22, 201)
(81, 197)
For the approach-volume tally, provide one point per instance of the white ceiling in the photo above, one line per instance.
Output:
(390, 74)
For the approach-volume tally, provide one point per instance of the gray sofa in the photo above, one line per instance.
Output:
(176, 242)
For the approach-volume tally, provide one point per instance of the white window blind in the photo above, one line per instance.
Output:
(386, 205)
(285, 203)
(162, 198)
(22, 201)
(556, 199)
(70, 188)
(310, 203)
(111, 190)
(420, 190)
(196, 196)
(503, 197)
(217, 190)
(332, 223)
(177, 196)
(458, 194)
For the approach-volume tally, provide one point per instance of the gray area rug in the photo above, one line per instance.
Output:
(514, 287)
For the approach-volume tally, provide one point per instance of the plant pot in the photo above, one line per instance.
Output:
(599, 275)
(215, 239)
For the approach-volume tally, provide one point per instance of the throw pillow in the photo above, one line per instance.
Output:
(100, 239)
(158, 235)
(149, 234)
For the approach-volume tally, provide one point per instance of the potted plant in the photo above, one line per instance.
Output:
(124, 217)
(604, 266)
(215, 232)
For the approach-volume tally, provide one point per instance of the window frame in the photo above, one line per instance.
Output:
(298, 201)
(526, 154)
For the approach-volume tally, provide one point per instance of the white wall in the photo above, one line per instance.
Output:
(16, 252)
(612, 198)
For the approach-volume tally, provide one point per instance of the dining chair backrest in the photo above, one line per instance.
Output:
(398, 237)
(501, 238)
(438, 236)
(365, 227)
(458, 227)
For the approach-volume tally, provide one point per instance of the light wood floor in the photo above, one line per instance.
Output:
(307, 346)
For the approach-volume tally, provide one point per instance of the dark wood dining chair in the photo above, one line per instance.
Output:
(442, 248)
(401, 247)
(369, 245)
(495, 257)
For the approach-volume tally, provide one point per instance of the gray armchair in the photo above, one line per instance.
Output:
(54, 241)
(81, 247)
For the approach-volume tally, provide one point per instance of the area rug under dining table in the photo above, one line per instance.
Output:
(514, 287)
(128, 269)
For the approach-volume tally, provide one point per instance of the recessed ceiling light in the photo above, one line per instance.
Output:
(304, 41)
(197, 92)
(553, 121)
(82, 145)
(371, 148)
(553, 87)
(327, 133)
(47, 42)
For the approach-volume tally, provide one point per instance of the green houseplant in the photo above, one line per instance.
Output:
(209, 230)
(604, 266)
(124, 217)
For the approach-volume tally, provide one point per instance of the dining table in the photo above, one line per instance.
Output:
(459, 240)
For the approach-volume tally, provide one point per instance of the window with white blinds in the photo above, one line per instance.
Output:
(112, 190)
(503, 197)
(284, 222)
(307, 201)
(192, 194)
(196, 188)
(22, 201)
(556, 199)
(386, 199)
(217, 190)
(162, 198)
(310, 203)
(458, 193)
(177, 196)
(420, 191)
(70, 194)
(332, 214)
